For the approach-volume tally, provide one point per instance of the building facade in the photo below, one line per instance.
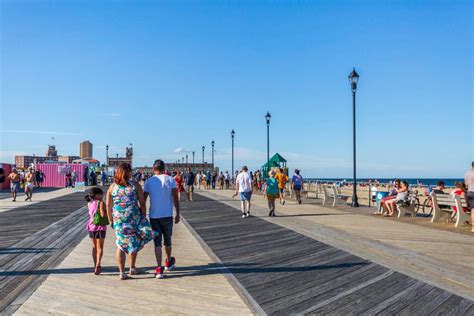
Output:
(183, 167)
(85, 149)
(67, 159)
(24, 161)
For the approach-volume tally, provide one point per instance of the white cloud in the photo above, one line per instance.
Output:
(114, 114)
(8, 156)
(182, 150)
(21, 131)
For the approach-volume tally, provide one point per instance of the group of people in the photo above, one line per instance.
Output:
(28, 180)
(400, 190)
(273, 187)
(125, 211)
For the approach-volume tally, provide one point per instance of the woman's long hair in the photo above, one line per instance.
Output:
(123, 174)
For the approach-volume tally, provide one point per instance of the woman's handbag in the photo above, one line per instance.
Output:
(99, 220)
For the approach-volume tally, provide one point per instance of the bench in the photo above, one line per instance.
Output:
(331, 193)
(312, 190)
(409, 205)
(443, 203)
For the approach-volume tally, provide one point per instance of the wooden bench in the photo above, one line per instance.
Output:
(331, 193)
(443, 203)
(312, 190)
(408, 206)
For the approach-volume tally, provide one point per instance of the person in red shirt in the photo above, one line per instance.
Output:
(179, 184)
(461, 191)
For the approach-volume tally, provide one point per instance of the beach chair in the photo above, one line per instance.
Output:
(443, 204)
(409, 205)
(331, 193)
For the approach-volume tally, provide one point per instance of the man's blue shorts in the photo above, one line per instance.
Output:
(245, 196)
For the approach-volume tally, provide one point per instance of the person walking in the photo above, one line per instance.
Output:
(227, 180)
(199, 180)
(297, 185)
(96, 232)
(214, 180)
(126, 208)
(271, 192)
(163, 196)
(179, 183)
(190, 178)
(29, 184)
(14, 178)
(208, 179)
(243, 187)
(282, 179)
(469, 181)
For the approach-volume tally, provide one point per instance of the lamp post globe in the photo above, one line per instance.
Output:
(203, 148)
(354, 79)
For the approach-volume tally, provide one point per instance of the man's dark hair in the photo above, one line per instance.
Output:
(159, 165)
(440, 183)
(244, 168)
(472, 164)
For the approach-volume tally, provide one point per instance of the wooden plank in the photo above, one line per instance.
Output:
(286, 272)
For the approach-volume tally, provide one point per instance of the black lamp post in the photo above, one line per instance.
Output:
(193, 156)
(267, 118)
(107, 154)
(353, 79)
(203, 148)
(212, 152)
(186, 158)
(232, 134)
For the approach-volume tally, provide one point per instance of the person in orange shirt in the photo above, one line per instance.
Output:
(282, 179)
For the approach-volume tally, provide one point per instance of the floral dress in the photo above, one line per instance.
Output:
(132, 229)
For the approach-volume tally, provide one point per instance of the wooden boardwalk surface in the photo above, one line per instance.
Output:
(287, 272)
(34, 238)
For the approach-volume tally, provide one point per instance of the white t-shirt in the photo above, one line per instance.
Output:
(159, 188)
(245, 184)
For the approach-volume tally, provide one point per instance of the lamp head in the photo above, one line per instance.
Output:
(268, 117)
(353, 79)
(232, 133)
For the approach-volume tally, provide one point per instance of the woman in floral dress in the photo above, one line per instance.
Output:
(127, 212)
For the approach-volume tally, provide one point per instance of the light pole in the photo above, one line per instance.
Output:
(232, 134)
(353, 79)
(203, 148)
(186, 158)
(193, 157)
(212, 153)
(267, 118)
(107, 154)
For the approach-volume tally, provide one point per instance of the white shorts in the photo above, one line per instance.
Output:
(29, 186)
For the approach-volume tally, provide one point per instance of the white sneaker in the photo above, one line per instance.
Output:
(248, 214)
(243, 215)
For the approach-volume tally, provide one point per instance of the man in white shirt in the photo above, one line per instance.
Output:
(163, 196)
(469, 181)
(243, 186)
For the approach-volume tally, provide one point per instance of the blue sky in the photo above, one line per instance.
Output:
(178, 74)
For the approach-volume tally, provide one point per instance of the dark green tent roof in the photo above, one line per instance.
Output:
(277, 158)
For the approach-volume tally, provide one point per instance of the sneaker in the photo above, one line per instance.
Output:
(283, 203)
(159, 273)
(243, 215)
(170, 264)
(248, 214)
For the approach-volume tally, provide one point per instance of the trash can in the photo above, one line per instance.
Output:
(380, 195)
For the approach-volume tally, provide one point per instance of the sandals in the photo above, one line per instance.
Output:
(123, 276)
(135, 271)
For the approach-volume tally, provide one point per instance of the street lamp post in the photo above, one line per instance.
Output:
(193, 157)
(232, 134)
(107, 154)
(203, 148)
(267, 118)
(353, 79)
(212, 153)
(186, 158)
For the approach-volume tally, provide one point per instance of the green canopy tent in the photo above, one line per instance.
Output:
(276, 161)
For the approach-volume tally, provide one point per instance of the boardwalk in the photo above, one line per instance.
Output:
(34, 238)
(227, 265)
(287, 272)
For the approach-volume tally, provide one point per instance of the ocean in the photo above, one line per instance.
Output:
(450, 182)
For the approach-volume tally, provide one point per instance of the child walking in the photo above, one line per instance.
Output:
(271, 191)
(96, 232)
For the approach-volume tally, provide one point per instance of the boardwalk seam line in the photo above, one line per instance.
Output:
(254, 307)
(345, 293)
